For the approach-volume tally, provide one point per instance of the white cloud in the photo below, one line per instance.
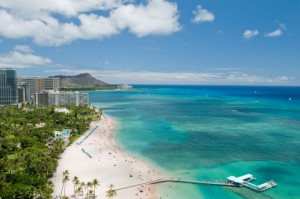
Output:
(23, 49)
(21, 57)
(69, 8)
(248, 34)
(275, 33)
(282, 26)
(158, 17)
(278, 32)
(243, 78)
(38, 19)
(93, 26)
(202, 15)
(189, 78)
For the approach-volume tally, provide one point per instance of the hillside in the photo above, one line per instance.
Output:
(82, 81)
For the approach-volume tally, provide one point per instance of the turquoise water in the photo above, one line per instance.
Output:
(212, 132)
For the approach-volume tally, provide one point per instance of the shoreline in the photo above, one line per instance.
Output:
(107, 163)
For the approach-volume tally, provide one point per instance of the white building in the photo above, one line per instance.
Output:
(50, 98)
(62, 110)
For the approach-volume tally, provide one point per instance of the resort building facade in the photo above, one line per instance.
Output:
(50, 98)
(38, 85)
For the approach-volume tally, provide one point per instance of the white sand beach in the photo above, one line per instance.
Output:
(108, 164)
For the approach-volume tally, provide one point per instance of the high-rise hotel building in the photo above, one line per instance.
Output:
(37, 85)
(8, 87)
(51, 98)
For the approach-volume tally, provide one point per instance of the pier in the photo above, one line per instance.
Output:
(194, 182)
(260, 188)
(174, 180)
(245, 181)
(242, 181)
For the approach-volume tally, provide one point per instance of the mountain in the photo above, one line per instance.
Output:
(82, 81)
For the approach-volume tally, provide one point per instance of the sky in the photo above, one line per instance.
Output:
(199, 42)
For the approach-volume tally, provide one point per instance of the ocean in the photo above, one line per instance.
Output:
(210, 133)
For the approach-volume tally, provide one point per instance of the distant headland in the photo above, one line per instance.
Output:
(84, 81)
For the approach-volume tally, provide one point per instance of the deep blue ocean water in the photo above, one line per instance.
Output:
(212, 132)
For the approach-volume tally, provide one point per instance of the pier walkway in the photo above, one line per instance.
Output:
(242, 181)
(174, 180)
(194, 182)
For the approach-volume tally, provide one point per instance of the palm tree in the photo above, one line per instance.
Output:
(79, 191)
(62, 188)
(95, 183)
(64, 181)
(50, 184)
(65, 173)
(112, 192)
(76, 182)
(89, 185)
(46, 190)
(90, 193)
(82, 185)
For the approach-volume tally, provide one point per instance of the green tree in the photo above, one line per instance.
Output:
(65, 179)
(89, 185)
(29, 155)
(111, 192)
(90, 193)
(82, 186)
(79, 191)
(95, 183)
(76, 183)
(50, 184)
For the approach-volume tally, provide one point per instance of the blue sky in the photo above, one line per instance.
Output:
(249, 42)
